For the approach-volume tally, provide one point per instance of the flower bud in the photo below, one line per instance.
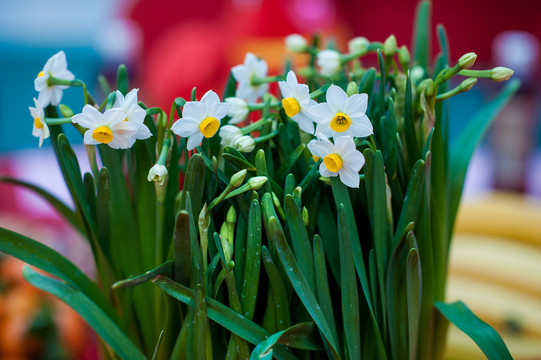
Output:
(257, 182)
(329, 62)
(358, 45)
(238, 109)
(501, 73)
(352, 88)
(245, 144)
(466, 61)
(238, 178)
(305, 216)
(417, 73)
(65, 111)
(296, 43)
(467, 84)
(229, 134)
(157, 173)
(231, 215)
(404, 57)
(389, 46)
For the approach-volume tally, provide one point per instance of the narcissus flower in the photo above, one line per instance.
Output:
(200, 119)
(252, 67)
(339, 159)
(133, 112)
(107, 128)
(342, 115)
(40, 130)
(297, 102)
(57, 67)
(329, 62)
(157, 173)
(238, 109)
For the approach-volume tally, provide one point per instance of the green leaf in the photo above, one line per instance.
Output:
(164, 269)
(421, 37)
(290, 159)
(103, 211)
(62, 208)
(181, 248)
(488, 340)
(122, 79)
(223, 315)
(277, 292)
(264, 349)
(250, 282)
(465, 144)
(348, 291)
(98, 320)
(414, 293)
(47, 259)
(412, 142)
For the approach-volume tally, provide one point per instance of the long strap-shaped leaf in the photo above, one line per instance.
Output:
(46, 259)
(231, 320)
(479, 331)
(264, 350)
(91, 313)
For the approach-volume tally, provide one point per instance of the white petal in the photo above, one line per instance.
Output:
(322, 113)
(56, 95)
(220, 111)
(135, 114)
(64, 75)
(210, 100)
(353, 160)
(184, 127)
(320, 148)
(123, 135)
(285, 89)
(349, 177)
(325, 129)
(361, 127)
(142, 131)
(323, 171)
(58, 63)
(336, 98)
(45, 96)
(131, 98)
(40, 83)
(194, 141)
(119, 100)
(356, 103)
(240, 73)
(343, 144)
(88, 139)
(112, 117)
(194, 110)
(305, 122)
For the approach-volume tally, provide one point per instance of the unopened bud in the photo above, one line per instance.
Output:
(389, 46)
(467, 84)
(245, 144)
(358, 45)
(501, 73)
(231, 215)
(65, 111)
(296, 43)
(352, 88)
(257, 182)
(305, 216)
(404, 57)
(467, 60)
(238, 178)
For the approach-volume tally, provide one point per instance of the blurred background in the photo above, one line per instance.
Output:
(171, 46)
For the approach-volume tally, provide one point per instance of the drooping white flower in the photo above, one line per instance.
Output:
(107, 128)
(200, 119)
(229, 135)
(339, 159)
(297, 103)
(328, 61)
(158, 173)
(358, 44)
(252, 67)
(238, 110)
(342, 115)
(296, 43)
(133, 112)
(245, 144)
(57, 67)
(40, 129)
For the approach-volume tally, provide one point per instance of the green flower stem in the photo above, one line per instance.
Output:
(254, 126)
(57, 121)
(351, 56)
(91, 153)
(446, 74)
(256, 80)
(160, 209)
(55, 81)
(486, 74)
(265, 137)
(463, 87)
(322, 90)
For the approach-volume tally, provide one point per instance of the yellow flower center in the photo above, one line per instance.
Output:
(37, 123)
(125, 119)
(209, 126)
(102, 134)
(316, 158)
(340, 122)
(41, 73)
(333, 162)
(291, 106)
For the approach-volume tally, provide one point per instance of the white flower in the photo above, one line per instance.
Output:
(342, 115)
(157, 173)
(40, 129)
(229, 134)
(329, 62)
(296, 43)
(245, 144)
(339, 159)
(243, 74)
(133, 112)
(200, 119)
(297, 102)
(238, 109)
(57, 67)
(108, 128)
(358, 44)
